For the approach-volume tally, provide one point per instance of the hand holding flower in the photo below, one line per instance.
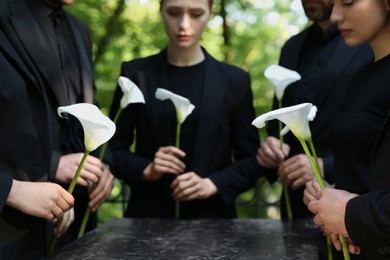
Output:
(166, 160)
(352, 248)
(67, 220)
(296, 171)
(67, 166)
(102, 190)
(269, 155)
(40, 199)
(329, 207)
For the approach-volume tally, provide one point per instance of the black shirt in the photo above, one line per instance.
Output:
(187, 82)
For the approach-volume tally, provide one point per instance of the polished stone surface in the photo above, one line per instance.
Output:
(196, 239)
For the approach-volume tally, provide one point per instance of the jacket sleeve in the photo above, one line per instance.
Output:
(5, 188)
(367, 220)
(244, 171)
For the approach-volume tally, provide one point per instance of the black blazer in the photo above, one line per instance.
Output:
(224, 132)
(34, 46)
(31, 41)
(367, 217)
(330, 93)
(25, 151)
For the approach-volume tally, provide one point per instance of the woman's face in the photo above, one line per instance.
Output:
(185, 21)
(361, 21)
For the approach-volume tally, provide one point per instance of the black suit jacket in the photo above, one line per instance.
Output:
(34, 46)
(367, 216)
(31, 41)
(224, 133)
(330, 92)
(25, 151)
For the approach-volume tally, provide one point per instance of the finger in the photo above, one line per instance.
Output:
(335, 241)
(96, 162)
(172, 150)
(82, 181)
(168, 166)
(187, 194)
(180, 185)
(57, 211)
(67, 197)
(313, 207)
(353, 249)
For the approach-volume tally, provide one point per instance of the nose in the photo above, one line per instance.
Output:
(336, 16)
(185, 22)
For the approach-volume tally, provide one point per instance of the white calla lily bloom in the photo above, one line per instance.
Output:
(182, 105)
(296, 118)
(98, 128)
(131, 92)
(281, 77)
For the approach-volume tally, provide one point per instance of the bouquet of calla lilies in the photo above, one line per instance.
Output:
(297, 118)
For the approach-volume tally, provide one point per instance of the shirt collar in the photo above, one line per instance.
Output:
(40, 9)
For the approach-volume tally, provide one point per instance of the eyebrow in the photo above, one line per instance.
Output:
(191, 9)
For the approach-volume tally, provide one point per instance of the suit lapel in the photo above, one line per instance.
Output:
(10, 51)
(291, 59)
(212, 101)
(86, 70)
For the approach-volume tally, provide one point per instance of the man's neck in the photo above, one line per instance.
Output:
(324, 25)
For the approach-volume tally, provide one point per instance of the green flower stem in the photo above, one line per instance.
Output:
(313, 164)
(313, 151)
(177, 203)
(285, 187)
(317, 173)
(329, 247)
(53, 241)
(101, 156)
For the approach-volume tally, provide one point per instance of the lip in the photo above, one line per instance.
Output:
(184, 37)
(345, 32)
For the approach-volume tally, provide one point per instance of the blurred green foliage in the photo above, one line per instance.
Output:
(254, 34)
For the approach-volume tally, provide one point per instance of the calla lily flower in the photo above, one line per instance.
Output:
(183, 106)
(98, 128)
(296, 118)
(131, 92)
(281, 77)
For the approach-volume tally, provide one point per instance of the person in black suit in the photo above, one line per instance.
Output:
(216, 159)
(358, 125)
(27, 199)
(362, 219)
(60, 49)
(326, 65)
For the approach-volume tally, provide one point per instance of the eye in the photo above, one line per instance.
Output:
(174, 13)
(348, 3)
(197, 14)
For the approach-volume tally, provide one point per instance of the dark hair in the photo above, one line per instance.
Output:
(211, 2)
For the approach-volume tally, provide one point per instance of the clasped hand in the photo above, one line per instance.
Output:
(186, 186)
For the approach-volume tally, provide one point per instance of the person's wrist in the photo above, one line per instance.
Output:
(210, 187)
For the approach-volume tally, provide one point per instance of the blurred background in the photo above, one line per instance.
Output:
(246, 33)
